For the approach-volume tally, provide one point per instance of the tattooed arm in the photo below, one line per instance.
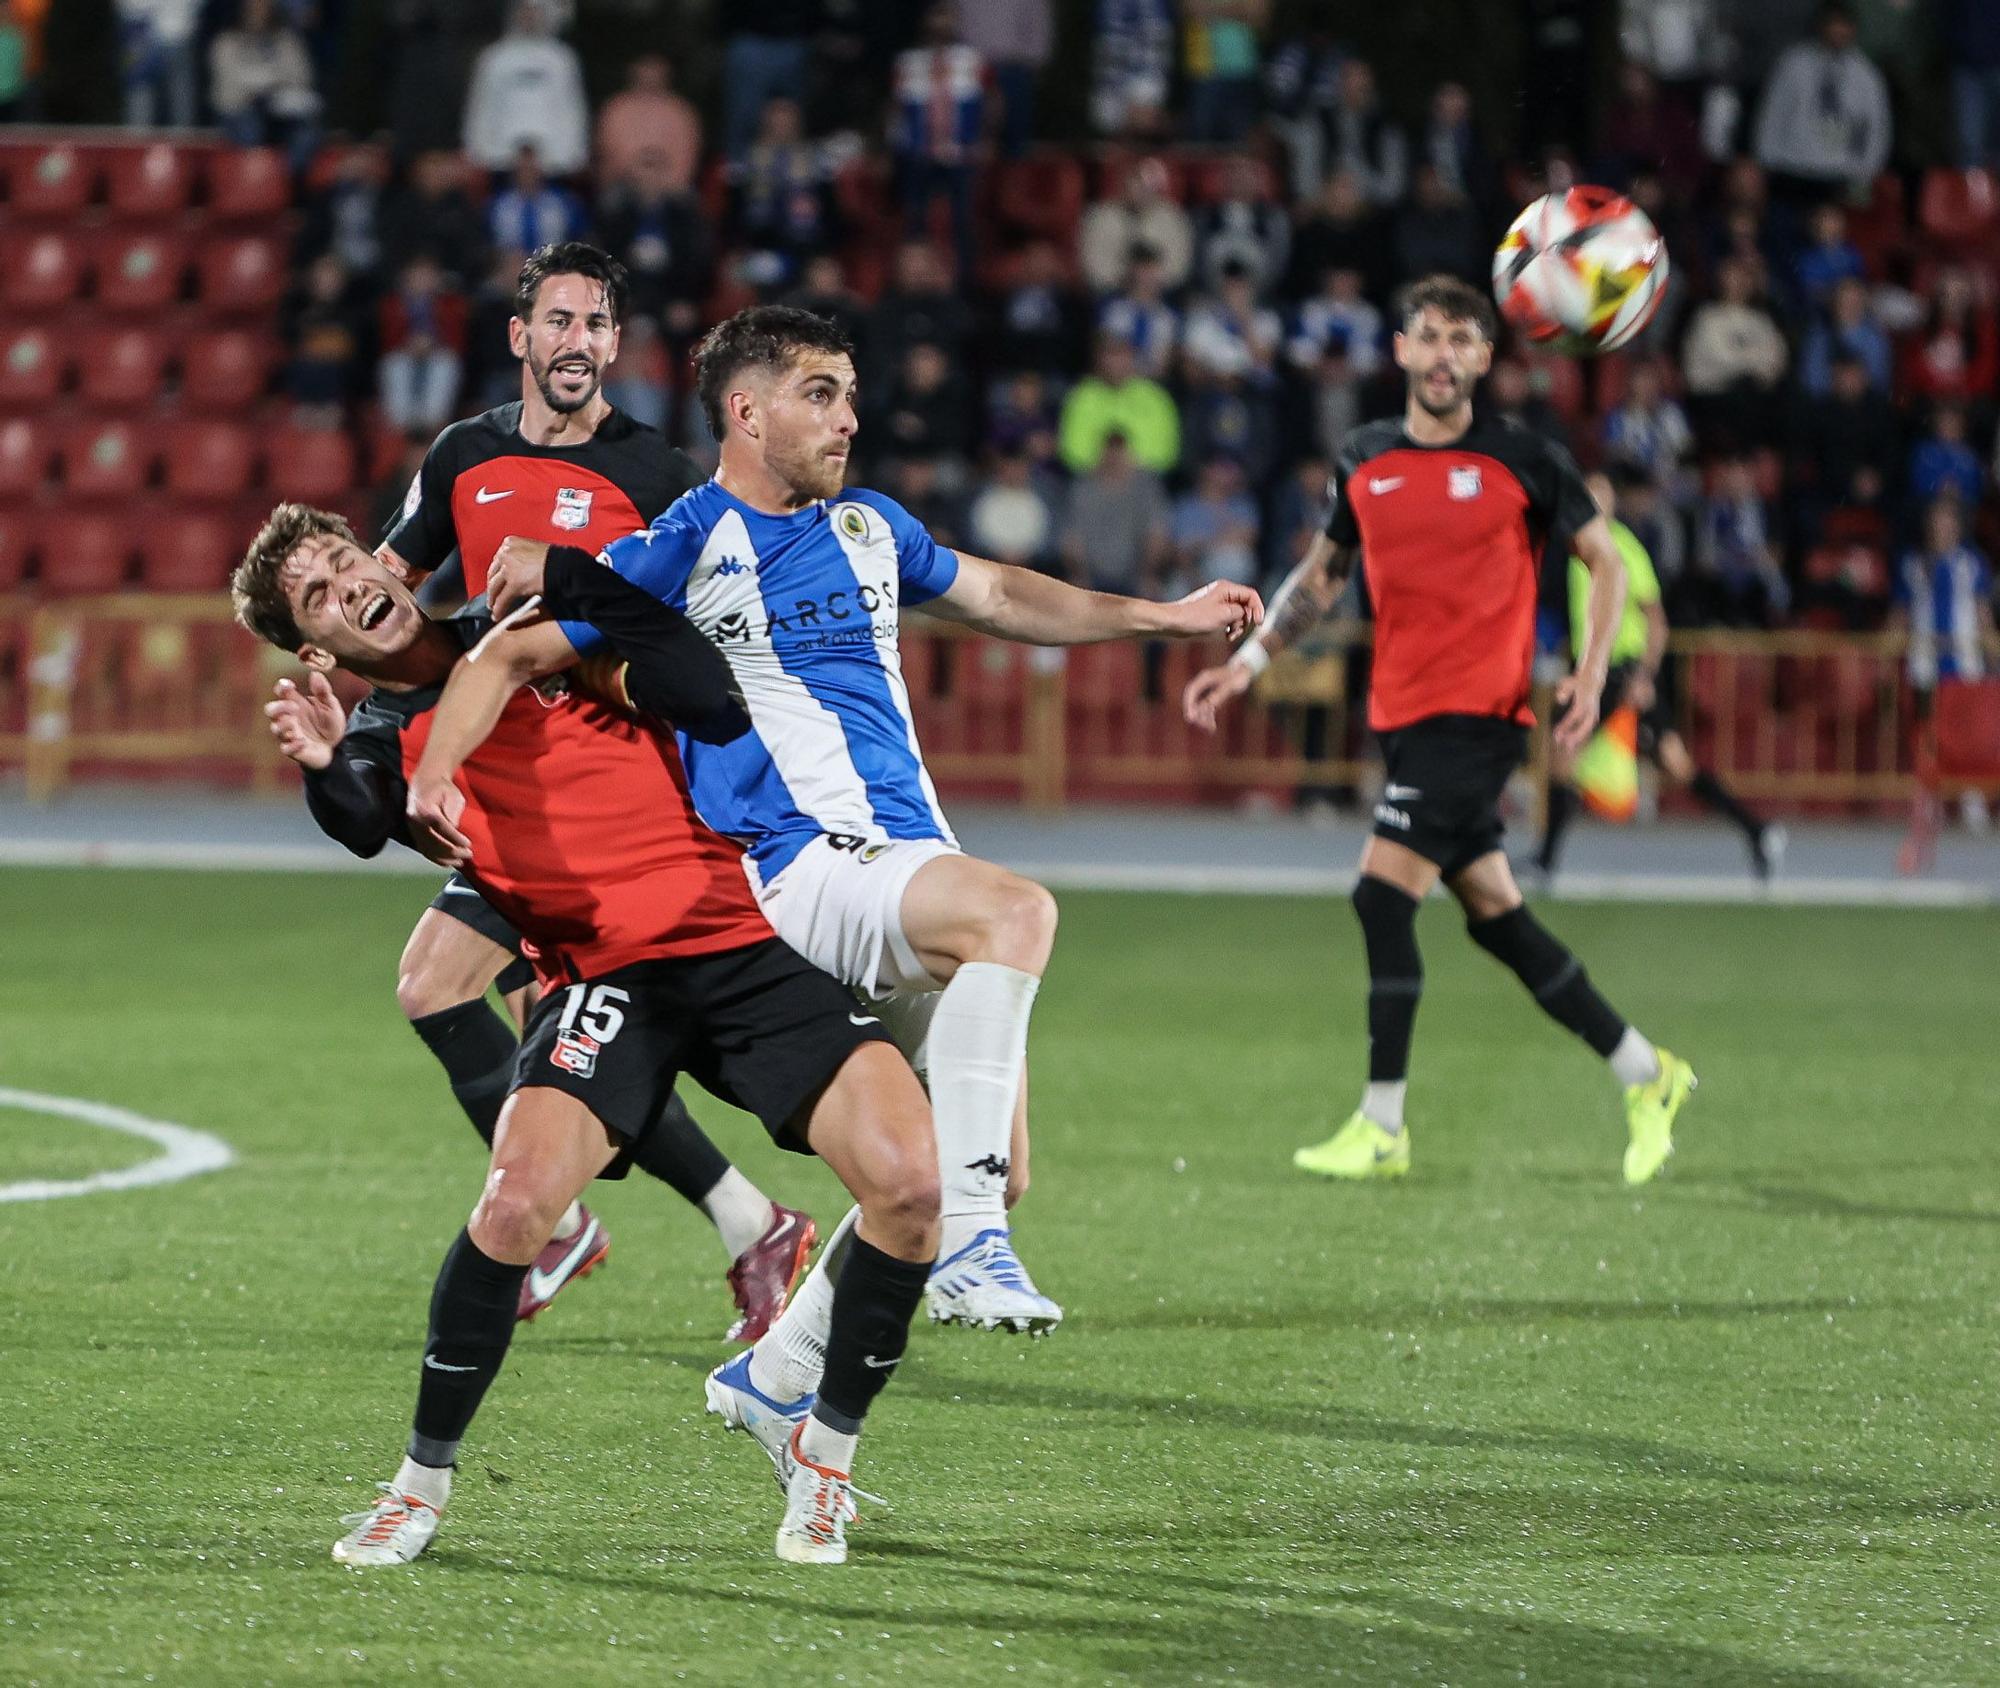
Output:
(1301, 604)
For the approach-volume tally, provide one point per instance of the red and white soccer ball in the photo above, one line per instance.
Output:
(1581, 271)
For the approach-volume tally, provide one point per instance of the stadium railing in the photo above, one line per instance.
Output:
(164, 683)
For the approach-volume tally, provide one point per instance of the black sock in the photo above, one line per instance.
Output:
(472, 1321)
(873, 1302)
(1719, 798)
(677, 1151)
(476, 1049)
(1556, 977)
(1562, 810)
(1388, 919)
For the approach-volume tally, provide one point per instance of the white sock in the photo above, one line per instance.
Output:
(789, 1357)
(824, 1445)
(741, 1211)
(978, 1042)
(1634, 1061)
(1383, 1103)
(570, 1223)
(431, 1484)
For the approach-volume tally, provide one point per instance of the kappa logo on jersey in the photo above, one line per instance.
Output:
(572, 507)
(1463, 482)
(576, 1052)
(729, 565)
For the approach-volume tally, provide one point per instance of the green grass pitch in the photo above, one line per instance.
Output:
(1502, 1422)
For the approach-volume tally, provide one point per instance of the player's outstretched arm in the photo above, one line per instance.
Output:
(353, 800)
(1578, 697)
(1034, 609)
(1301, 604)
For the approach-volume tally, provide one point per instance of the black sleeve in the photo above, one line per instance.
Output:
(358, 798)
(672, 672)
(1340, 524)
(1560, 500)
(423, 533)
(444, 589)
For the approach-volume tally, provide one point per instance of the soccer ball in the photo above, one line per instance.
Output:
(1581, 271)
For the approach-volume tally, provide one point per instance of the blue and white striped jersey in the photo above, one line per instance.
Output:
(804, 607)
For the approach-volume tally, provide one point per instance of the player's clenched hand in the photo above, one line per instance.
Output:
(1209, 690)
(516, 573)
(434, 808)
(307, 724)
(1576, 711)
(1221, 606)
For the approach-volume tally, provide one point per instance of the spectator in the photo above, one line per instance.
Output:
(938, 130)
(1334, 402)
(346, 216)
(1740, 580)
(661, 239)
(1438, 233)
(431, 216)
(527, 90)
(1298, 513)
(1954, 354)
(1015, 38)
(1230, 333)
(823, 290)
(1659, 527)
(1041, 319)
(648, 125)
(1942, 464)
(1214, 529)
(1338, 321)
(1827, 259)
(1644, 131)
(1849, 326)
(531, 211)
(1344, 232)
(1648, 430)
(1022, 416)
(1972, 49)
(1010, 520)
(423, 343)
(781, 198)
(1131, 63)
(1734, 358)
(640, 380)
(157, 48)
(418, 78)
(1824, 124)
(916, 484)
(1943, 594)
(1231, 415)
(14, 58)
(1221, 41)
(385, 506)
(1303, 73)
(1116, 399)
(1114, 527)
(1451, 142)
(920, 305)
(260, 82)
(1510, 395)
(1245, 226)
(492, 374)
(1846, 451)
(1142, 215)
(927, 413)
(326, 341)
(763, 63)
(1345, 128)
(1679, 41)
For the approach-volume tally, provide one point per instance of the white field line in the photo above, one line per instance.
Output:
(188, 1152)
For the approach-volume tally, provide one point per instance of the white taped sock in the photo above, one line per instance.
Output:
(1383, 1103)
(1634, 1061)
(739, 1210)
(789, 1357)
(431, 1484)
(824, 1445)
(978, 1042)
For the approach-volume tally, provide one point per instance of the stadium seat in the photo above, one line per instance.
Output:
(246, 183)
(25, 451)
(182, 552)
(40, 273)
(140, 274)
(30, 371)
(16, 547)
(1879, 229)
(209, 462)
(1208, 178)
(1042, 195)
(122, 369)
(105, 460)
(149, 182)
(1116, 163)
(242, 276)
(49, 181)
(225, 369)
(311, 465)
(83, 551)
(1958, 207)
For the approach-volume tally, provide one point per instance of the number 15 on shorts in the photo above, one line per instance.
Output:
(591, 1018)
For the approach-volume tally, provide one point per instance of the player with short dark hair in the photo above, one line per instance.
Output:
(1447, 513)
(653, 956)
(560, 464)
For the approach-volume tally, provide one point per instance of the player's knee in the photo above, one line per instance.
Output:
(1021, 925)
(419, 992)
(905, 1202)
(514, 1220)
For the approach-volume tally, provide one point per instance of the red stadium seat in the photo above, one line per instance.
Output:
(209, 462)
(123, 369)
(1958, 207)
(140, 273)
(39, 273)
(246, 183)
(1042, 195)
(1880, 228)
(83, 551)
(225, 369)
(17, 544)
(30, 371)
(180, 552)
(1208, 178)
(310, 465)
(1115, 164)
(242, 276)
(25, 451)
(150, 181)
(106, 460)
(49, 181)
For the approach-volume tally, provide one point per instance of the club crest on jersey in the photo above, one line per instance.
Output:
(1463, 482)
(575, 1052)
(573, 507)
(853, 523)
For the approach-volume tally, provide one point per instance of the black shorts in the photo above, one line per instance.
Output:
(1653, 721)
(462, 901)
(1442, 796)
(760, 1027)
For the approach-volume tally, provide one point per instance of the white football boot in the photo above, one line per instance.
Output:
(985, 1285)
(741, 1405)
(391, 1532)
(819, 1505)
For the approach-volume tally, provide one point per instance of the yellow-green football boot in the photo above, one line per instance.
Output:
(1649, 1114)
(1359, 1149)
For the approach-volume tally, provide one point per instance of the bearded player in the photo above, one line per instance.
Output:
(1447, 513)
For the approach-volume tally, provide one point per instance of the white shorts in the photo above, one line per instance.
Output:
(841, 907)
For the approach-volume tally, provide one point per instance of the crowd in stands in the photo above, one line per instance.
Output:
(1129, 358)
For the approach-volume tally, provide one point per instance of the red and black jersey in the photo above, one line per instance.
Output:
(483, 481)
(583, 834)
(1451, 538)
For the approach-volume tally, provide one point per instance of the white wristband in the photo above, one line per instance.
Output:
(1252, 654)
